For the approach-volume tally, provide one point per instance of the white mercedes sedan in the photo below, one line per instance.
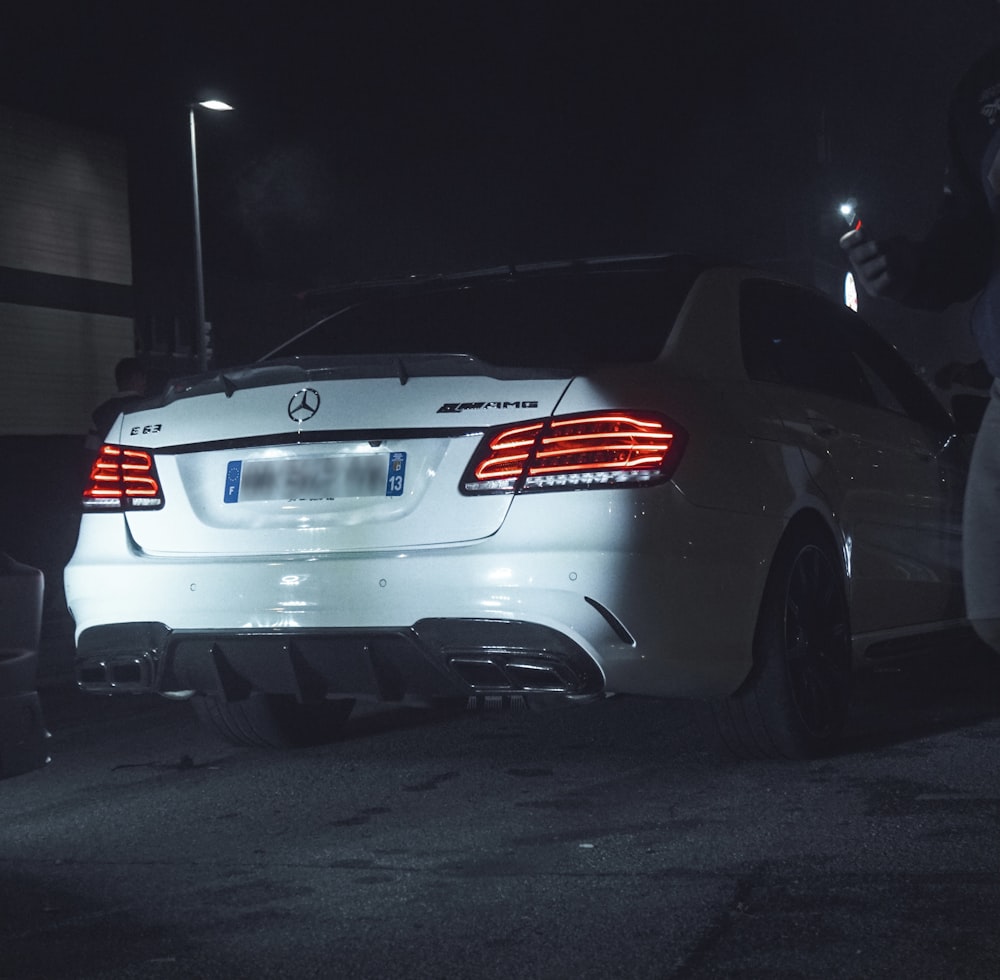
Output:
(652, 476)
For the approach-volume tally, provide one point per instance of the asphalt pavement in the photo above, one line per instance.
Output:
(600, 841)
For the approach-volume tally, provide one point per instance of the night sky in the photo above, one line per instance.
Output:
(382, 138)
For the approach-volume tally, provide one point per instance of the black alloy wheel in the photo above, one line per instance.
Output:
(817, 645)
(794, 703)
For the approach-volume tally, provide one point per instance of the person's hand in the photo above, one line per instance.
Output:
(882, 268)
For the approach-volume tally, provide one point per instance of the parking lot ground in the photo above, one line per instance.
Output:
(599, 841)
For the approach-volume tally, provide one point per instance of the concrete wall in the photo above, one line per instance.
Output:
(65, 273)
(65, 320)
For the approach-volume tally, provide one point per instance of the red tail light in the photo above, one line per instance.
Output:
(123, 478)
(605, 449)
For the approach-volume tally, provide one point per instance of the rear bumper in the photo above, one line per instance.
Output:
(661, 596)
(431, 659)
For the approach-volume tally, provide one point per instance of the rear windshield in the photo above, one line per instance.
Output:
(560, 319)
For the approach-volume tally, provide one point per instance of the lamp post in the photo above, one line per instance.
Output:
(199, 275)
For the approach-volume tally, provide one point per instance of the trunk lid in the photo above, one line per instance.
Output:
(354, 455)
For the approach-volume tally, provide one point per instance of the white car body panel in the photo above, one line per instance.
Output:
(657, 587)
(204, 523)
(537, 571)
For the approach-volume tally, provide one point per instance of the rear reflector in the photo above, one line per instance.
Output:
(123, 478)
(605, 449)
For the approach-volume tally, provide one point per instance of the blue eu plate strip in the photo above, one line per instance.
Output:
(233, 472)
(396, 475)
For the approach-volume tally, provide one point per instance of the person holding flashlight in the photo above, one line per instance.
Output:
(958, 258)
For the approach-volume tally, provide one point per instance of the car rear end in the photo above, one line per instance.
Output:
(367, 515)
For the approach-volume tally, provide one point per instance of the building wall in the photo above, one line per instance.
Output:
(65, 273)
(66, 317)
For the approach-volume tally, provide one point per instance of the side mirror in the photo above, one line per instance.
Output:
(967, 411)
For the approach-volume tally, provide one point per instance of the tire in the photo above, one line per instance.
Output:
(276, 721)
(794, 703)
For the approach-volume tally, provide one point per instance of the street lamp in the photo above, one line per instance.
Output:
(199, 276)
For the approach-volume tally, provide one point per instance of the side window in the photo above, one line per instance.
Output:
(899, 389)
(791, 337)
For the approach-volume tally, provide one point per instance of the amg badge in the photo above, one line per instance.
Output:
(471, 406)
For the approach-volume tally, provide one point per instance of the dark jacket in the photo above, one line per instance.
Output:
(960, 255)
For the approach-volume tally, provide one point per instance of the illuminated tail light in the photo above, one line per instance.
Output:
(605, 449)
(123, 478)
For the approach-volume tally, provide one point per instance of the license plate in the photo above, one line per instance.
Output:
(315, 477)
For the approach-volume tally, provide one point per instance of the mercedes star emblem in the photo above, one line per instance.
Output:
(303, 405)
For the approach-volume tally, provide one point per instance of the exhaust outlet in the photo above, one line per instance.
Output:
(116, 675)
